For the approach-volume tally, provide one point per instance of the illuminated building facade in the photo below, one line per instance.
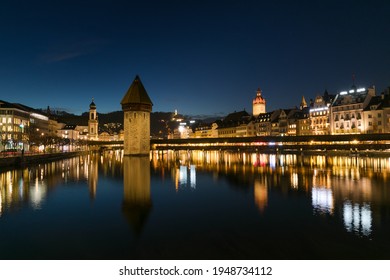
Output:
(302, 121)
(320, 113)
(347, 111)
(14, 122)
(21, 126)
(236, 125)
(69, 131)
(376, 114)
(263, 124)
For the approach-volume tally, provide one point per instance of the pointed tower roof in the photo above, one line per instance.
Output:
(136, 96)
(303, 103)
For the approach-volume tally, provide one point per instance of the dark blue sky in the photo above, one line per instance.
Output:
(200, 57)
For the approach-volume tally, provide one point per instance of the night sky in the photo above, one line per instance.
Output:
(199, 57)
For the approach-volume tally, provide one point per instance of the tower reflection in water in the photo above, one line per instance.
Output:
(353, 190)
(137, 202)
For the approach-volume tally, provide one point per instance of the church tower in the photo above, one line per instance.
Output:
(137, 106)
(258, 104)
(303, 103)
(93, 122)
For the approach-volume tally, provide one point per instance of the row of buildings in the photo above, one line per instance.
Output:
(354, 111)
(25, 128)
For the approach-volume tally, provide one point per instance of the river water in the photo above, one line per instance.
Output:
(197, 205)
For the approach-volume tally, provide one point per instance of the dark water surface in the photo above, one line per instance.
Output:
(197, 205)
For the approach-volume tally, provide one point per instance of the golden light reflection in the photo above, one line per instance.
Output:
(261, 193)
(137, 201)
(93, 176)
(32, 184)
(294, 180)
(37, 194)
(1, 201)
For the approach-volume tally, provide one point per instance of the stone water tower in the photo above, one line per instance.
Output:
(137, 106)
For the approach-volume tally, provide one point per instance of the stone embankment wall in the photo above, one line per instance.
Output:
(19, 161)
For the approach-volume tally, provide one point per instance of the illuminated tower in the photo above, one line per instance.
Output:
(258, 104)
(137, 106)
(93, 122)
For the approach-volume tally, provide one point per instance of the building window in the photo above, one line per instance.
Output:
(369, 116)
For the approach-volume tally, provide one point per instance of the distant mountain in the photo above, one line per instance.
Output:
(112, 117)
(159, 121)
(68, 118)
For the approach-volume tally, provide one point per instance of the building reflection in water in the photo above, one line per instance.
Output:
(92, 174)
(31, 185)
(321, 191)
(357, 218)
(185, 176)
(339, 186)
(322, 200)
(261, 193)
(137, 202)
(351, 189)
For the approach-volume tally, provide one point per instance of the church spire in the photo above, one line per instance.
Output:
(303, 103)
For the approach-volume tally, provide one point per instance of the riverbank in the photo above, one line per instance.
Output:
(20, 161)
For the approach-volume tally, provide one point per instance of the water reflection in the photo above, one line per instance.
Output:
(322, 200)
(357, 218)
(342, 187)
(30, 186)
(185, 176)
(352, 191)
(261, 193)
(137, 202)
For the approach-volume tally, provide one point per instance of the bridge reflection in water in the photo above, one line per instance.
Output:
(293, 196)
(341, 186)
